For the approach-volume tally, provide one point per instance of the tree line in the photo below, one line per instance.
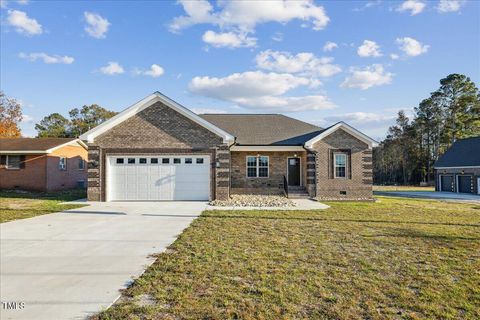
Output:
(54, 125)
(411, 147)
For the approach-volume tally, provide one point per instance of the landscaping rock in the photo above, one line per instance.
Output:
(248, 200)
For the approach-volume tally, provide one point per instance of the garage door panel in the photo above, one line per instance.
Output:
(155, 180)
(464, 184)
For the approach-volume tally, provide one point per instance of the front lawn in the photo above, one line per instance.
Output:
(20, 205)
(394, 259)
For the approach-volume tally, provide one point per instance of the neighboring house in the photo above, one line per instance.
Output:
(160, 150)
(42, 164)
(458, 169)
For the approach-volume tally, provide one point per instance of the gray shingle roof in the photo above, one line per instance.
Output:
(264, 129)
(463, 153)
(31, 144)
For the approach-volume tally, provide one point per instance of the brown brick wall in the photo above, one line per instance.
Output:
(41, 171)
(156, 130)
(358, 184)
(474, 172)
(66, 179)
(32, 177)
(277, 169)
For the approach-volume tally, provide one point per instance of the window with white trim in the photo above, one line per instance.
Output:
(257, 167)
(62, 163)
(340, 165)
(13, 162)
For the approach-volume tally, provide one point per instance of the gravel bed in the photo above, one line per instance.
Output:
(254, 201)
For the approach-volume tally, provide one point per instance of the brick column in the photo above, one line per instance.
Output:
(93, 190)
(311, 170)
(222, 173)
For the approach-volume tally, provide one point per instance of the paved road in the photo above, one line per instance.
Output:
(444, 196)
(71, 264)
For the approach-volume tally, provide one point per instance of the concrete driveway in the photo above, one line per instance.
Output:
(443, 196)
(68, 265)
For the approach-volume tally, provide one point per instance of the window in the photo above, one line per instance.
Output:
(188, 160)
(142, 160)
(154, 160)
(131, 160)
(62, 163)
(13, 162)
(340, 165)
(120, 160)
(176, 160)
(81, 164)
(257, 167)
(165, 160)
(199, 160)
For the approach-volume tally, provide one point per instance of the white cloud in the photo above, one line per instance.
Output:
(97, 26)
(155, 71)
(23, 23)
(369, 49)
(394, 56)
(305, 63)
(329, 46)
(361, 118)
(27, 119)
(228, 39)
(286, 104)
(411, 46)
(3, 4)
(251, 83)
(23, 2)
(374, 125)
(48, 59)
(445, 6)
(245, 15)
(278, 36)
(259, 90)
(367, 77)
(112, 68)
(414, 6)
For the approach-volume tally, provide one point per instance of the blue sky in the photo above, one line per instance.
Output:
(318, 61)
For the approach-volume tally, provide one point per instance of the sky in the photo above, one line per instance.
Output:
(317, 61)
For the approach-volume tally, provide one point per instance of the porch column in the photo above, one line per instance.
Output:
(311, 169)
(222, 173)
(93, 180)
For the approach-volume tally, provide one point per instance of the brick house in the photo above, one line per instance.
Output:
(458, 169)
(42, 164)
(159, 150)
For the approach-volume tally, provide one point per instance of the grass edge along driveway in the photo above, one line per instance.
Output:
(393, 259)
(16, 205)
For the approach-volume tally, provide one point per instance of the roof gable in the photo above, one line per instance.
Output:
(147, 102)
(349, 129)
(463, 153)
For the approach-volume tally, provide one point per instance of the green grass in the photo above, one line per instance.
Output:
(393, 259)
(20, 205)
(403, 188)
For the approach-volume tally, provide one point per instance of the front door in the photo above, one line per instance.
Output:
(293, 171)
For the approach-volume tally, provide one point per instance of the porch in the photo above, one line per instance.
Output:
(269, 172)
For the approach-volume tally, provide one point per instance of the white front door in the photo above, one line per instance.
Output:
(161, 177)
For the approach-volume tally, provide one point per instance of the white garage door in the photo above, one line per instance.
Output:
(158, 177)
